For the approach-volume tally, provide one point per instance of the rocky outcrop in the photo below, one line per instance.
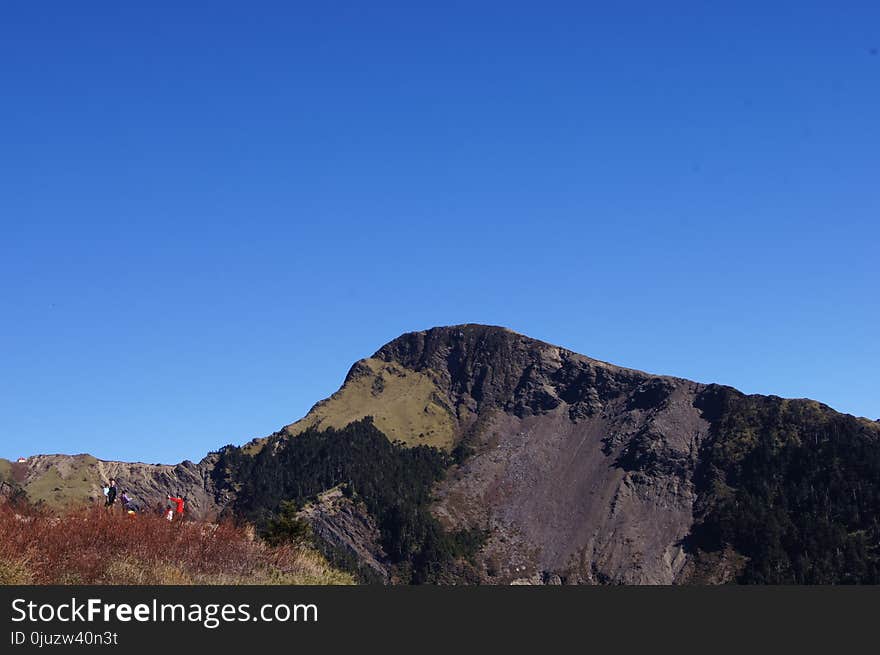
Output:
(58, 480)
(346, 532)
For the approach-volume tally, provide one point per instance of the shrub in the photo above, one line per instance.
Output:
(94, 546)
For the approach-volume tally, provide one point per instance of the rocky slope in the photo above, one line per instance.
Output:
(343, 525)
(556, 443)
(63, 480)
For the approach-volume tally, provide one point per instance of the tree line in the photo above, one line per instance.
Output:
(392, 480)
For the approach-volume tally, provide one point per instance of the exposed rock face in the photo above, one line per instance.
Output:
(345, 529)
(580, 469)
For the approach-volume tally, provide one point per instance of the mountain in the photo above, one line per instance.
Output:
(475, 454)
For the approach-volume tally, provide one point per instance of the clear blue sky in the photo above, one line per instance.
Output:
(208, 213)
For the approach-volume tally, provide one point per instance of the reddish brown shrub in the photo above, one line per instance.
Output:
(96, 546)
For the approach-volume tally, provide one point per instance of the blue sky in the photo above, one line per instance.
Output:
(210, 211)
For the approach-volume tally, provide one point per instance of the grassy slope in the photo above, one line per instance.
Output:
(405, 405)
(5, 470)
(57, 487)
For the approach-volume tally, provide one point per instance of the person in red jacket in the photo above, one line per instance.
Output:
(179, 502)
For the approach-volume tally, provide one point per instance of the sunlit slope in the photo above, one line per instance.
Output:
(5, 470)
(406, 405)
(59, 481)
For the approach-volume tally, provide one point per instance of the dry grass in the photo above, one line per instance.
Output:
(402, 402)
(5, 470)
(94, 546)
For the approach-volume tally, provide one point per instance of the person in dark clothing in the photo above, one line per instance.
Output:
(111, 493)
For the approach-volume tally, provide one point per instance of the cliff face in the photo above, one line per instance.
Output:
(582, 471)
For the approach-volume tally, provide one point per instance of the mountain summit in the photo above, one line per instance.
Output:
(431, 387)
(555, 447)
(472, 453)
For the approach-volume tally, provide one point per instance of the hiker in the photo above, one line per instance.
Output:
(111, 493)
(179, 502)
(127, 504)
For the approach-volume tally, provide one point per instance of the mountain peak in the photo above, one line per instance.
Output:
(430, 386)
(433, 347)
(445, 334)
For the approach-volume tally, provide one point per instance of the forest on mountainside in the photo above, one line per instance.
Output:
(790, 485)
(393, 481)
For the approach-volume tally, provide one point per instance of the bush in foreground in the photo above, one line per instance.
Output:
(94, 546)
